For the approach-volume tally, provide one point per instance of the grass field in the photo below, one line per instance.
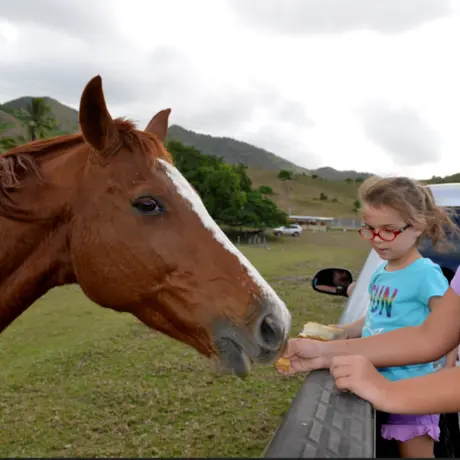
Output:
(304, 194)
(79, 380)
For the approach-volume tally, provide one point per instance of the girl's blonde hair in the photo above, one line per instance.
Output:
(412, 201)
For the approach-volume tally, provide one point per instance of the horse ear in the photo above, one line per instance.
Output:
(158, 125)
(97, 126)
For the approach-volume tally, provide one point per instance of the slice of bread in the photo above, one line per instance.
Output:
(316, 331)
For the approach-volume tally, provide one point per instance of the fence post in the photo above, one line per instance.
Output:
(265, 243)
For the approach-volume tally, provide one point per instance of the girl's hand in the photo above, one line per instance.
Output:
(358, 375)
(304, 355)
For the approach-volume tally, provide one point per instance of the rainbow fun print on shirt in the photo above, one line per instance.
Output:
(382, 298)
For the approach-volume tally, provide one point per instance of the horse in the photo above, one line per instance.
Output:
(105, 208)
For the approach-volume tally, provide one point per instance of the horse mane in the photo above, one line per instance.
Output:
(20, 160)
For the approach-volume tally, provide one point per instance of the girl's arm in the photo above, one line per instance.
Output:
(354, 329)
(451, 357)
(430, 341)
(431, 394)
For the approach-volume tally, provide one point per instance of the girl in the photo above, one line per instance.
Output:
(397, 212)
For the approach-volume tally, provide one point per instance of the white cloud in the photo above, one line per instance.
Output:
(7, 31)
(302, 95)
(404, 134)
(294, 17)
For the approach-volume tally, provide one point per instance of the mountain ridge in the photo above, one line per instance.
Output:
(229, 149)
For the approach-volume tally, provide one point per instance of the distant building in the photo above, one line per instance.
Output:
(312, 222)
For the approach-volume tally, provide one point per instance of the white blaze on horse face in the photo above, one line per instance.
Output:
(188, 193)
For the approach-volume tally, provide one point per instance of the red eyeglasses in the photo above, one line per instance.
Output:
(385, 234)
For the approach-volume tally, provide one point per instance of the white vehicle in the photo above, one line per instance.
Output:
(291, 230)
(323, 422)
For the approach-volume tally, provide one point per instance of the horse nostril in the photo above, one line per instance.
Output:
(271, 334)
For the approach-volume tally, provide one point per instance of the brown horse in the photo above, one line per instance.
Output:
(106, 208)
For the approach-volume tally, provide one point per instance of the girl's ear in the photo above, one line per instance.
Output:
(417, 231)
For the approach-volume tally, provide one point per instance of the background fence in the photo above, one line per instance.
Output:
(345, 223)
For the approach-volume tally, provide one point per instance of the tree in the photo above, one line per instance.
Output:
(217, 183)
(37, 118)
(225, 189)
(356, 206)
(265, 190)
(284, 174)
(245, 181)
(264, 211)
(258, 211)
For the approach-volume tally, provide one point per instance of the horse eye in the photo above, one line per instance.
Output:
(148, 205)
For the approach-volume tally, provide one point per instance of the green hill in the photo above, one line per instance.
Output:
(231, 150)
(15, 129)
(304, 192)
(443, 180)
(327, 172)
(234, 151)
(66, 117)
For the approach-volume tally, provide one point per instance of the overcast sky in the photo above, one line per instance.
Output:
(371, 85)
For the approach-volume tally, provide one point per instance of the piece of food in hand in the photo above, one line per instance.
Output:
(313, 331)
(316, 331)
(283, 364)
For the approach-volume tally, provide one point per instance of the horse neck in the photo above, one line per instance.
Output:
(34, 255)
(31, 263)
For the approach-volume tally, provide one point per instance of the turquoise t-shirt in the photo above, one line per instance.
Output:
(400, 299)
